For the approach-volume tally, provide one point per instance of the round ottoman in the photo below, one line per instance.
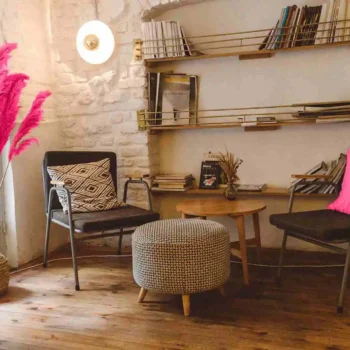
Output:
(181, 256)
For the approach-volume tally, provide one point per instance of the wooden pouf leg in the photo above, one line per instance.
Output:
(222, 291)
(142, 295)
(186, 304)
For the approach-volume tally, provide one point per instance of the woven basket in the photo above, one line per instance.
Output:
(4, 275)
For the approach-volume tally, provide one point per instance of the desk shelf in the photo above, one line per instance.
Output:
(268, 192)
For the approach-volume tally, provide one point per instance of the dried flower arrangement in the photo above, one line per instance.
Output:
(229, 164)
(11, 87)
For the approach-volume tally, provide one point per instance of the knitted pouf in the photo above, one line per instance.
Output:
(180, 256)
(4, 275)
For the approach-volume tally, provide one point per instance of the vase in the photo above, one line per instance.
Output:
(230, 192)
(4, 275)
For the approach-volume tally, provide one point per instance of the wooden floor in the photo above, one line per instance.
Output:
(43, 311)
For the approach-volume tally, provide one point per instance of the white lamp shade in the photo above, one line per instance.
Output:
(105, 47)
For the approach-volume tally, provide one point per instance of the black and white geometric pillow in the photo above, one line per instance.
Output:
(90, 184)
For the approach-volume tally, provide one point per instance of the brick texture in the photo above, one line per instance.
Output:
(97, 105)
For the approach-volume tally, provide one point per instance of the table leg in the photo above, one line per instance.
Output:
(257, 234)
(243, 247)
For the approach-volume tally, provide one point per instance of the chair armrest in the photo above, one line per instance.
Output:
(137, 176)
(304, 176)
(138, 180)
(58, 183)
(59, 187)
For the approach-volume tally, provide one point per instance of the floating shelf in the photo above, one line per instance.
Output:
(268, 192)
(243, 55)
(252, 44)
(247, 118)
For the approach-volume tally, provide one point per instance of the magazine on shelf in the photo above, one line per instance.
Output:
(173, 99)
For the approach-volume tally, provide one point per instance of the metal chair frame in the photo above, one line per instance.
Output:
(316, 242)
(73, 230)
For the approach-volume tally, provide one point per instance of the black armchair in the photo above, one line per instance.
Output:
(114, 221)
(321, 227)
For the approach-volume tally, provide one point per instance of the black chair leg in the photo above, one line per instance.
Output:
(284, 244)
(344, 282)
(47, 233)
(47, 238)
(120, 244)
(72, 242)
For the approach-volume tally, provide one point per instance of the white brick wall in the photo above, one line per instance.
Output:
(97, 105)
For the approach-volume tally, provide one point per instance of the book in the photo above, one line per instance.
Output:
(174, 185)
(322, 26)
(252, 188)
(266, 120)
(171, 181)
(173, 99)
(176, 99)
(312, 171)
(210, 175)
(340, 25)
(157, 189)
(193, 99)
(160, 40)
(182, 176)
(283, 20)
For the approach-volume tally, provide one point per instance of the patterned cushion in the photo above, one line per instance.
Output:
(181, 256)
(90, 184)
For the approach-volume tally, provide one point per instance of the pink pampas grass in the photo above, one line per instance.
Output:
(30, 122)
(5, 51)
(11, 87)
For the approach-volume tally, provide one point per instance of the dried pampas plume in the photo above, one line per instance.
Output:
(229, 164)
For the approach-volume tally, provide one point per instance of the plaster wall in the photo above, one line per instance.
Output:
(27, 23)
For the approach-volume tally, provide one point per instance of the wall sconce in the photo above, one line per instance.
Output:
(95, 41)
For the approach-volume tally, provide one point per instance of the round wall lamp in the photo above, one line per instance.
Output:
(95, 41)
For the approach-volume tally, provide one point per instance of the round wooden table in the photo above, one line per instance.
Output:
(236, 209)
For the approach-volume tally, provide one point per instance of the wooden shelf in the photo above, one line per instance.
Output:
(269, 192)
(243, 55)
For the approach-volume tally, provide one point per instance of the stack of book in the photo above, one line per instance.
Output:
(336, 171)
(173, 99)
(310, 25)
(172, 182)
(323, 112)
(165, 39)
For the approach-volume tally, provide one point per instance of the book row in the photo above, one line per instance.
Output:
(310, 25)
(164, 39)
(324, 186)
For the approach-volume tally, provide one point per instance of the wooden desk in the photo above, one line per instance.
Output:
(236, 209)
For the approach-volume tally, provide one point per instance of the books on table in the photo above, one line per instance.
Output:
(165, 39)
(310, 25)
(172, 182)
(173, 99)
(252, 188)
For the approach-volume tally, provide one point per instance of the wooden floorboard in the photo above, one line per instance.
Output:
(43, 311)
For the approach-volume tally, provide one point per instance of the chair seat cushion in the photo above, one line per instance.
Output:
(129, 216)
(325, 225)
